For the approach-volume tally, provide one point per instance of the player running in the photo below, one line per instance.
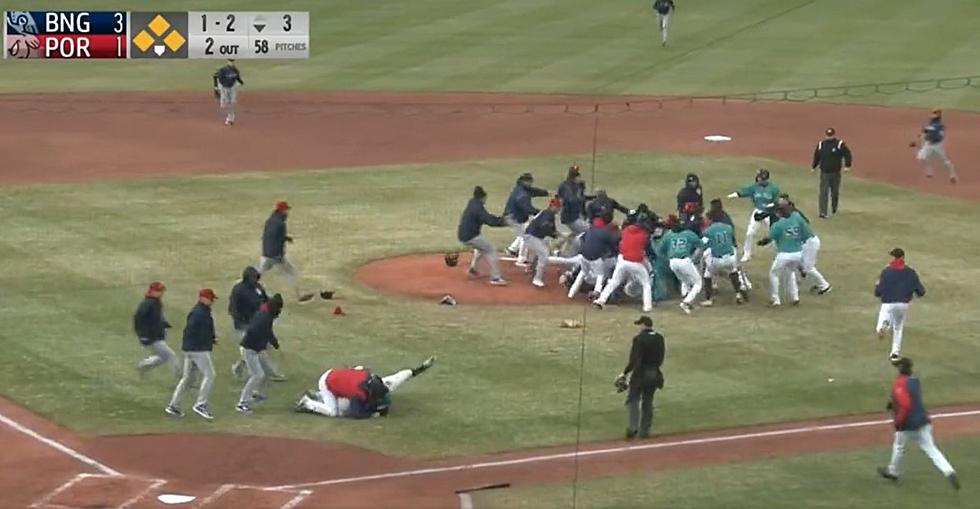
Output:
(763, 193)
(663, 8)
(226, 82)
(356, 392)
(679, 245)
(933, 145)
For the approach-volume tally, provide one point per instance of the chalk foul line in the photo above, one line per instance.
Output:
(612, 450)
(60, 447)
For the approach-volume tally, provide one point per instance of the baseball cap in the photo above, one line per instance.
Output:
(830, 131)
(156, 286)
(207, 293)
(527, 177)
(574, 170)
(644, 320)
(282, 205)
(937, 111)
(897, 252)
(903, 364)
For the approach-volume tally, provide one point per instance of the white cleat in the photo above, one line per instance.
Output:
(538, 283)
(687, 308)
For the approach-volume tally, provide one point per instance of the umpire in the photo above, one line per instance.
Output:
(830, 155)
(646, 357)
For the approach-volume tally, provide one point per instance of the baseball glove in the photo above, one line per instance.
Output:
(452, 259)
(621, 384)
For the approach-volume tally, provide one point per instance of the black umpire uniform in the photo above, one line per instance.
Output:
(831, 155)
(643, 369)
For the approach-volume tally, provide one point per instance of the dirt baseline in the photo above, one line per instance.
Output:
(58, 138)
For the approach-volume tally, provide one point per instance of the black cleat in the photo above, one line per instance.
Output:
(630, 434)
(953, 480)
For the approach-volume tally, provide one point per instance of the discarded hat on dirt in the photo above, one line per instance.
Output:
(339, 311)
(448, 300)
(326, 295)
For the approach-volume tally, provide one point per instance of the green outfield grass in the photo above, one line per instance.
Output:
(829, 481)
(78, 256)
(583, 46)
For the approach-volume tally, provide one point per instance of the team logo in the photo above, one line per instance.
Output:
(24, 42)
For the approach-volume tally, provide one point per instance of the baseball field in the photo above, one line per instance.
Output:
(118, 173)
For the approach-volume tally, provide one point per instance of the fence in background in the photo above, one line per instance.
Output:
(298, 103)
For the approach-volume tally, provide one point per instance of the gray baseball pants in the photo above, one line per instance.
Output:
(203, 363)
(160, 353)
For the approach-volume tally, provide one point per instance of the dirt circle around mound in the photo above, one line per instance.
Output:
(426, 276)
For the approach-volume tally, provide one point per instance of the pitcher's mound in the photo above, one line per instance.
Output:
(427, 276)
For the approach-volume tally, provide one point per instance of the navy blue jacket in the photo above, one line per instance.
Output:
(599, 242)
(274, 236)
(148, 321)
(573, 200)
(519, 206)
(543, 225)
(245, 299)
(474, 216)
(934, 131)
(898, 285)
(199, 330)
(601, 206)
(259, 334)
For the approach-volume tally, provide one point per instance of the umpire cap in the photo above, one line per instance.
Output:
(830, 132)
(897, 252)
(644, 320)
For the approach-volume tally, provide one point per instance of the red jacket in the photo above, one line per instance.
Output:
(633, 243)
(906, 403)
(348, 383)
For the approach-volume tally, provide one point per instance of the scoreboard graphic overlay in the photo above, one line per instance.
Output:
(160, 35)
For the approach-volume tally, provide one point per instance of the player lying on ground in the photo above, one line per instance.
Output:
(356, 392)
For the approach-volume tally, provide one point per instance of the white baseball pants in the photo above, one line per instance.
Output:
(923, 436)
(719, 266)
(518, 243)
(625, 271)
(689, 277)
(810, 249)
(930, 151)
(537, 250)
(750, 233)
(892, 315)
(783, 271)
(598, 268)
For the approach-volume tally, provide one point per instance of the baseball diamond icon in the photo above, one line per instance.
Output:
(156, 33)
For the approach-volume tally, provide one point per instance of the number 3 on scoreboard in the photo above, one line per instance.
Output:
(120, 26)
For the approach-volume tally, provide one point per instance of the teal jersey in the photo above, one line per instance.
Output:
(762, 196)
(720, 239)
(679, 244)
(807, 229)
(788, 233)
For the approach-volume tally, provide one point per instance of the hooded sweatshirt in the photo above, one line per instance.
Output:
(246, 297)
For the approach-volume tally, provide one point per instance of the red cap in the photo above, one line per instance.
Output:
(598, 222)
(207, 293)
(156, 286)
(555, 202)
(338, 311)
(282, 205)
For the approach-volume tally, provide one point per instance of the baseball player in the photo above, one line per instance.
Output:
(763, 192)
(912, 420)
(896, 286)
(691, 196)
(247, 296)
(600, 247)
(520, 209)
(719, 258)
(274, 239)
(679, 246)
(538, 230)
(831, 155)
(788, 233)
(603, 206)
(932, 144)
(199, 341)
(356, 392)
(631, 264)
(258, 336)
(663, 8)
(151, 331)
(471, 223)
(811, 244)
(643, 370)
(573, 200)
(226, 81)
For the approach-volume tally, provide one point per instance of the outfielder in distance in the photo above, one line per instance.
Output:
(933, 145)
(226, 81)
(356, 392)
(663, 8)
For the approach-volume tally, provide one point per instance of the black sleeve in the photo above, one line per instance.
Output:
(616, 205)
(214, 79)
(537, 192)
(661, 350)
(680, 200)
(233, 305)
(239, 74)
(139, 317)
(634, 359)
(273, 340)
(919, 289)
(211, 333)
(816, 156)
(847, 154)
